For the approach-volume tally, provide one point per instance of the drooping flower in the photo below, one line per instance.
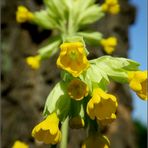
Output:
(72, 58)
(76, 122)
(19, 144)
(33, 61)
(48, 131)
(23, 14)
(109, 44)
(138, 83)
(96, 141)
(77, 89)
(111, 6)
(102, 106)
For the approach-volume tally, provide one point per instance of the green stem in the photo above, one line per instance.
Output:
(63, 143)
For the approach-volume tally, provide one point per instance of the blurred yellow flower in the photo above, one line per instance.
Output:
(33, 61)
(96, 141)
(109, 44)
(76, 122)
(72, 58)
(48, 130)
(102, 106)
(19, 144)
(77, 89)
(23, 14)
(111, 6)
(138, 83)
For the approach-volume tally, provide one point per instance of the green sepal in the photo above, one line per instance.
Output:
(43, 19)
(93, 75)
(49, 50)
(58, 101)
(90, 15)
(66, 76)
(57, 7)
(91, 38)
(77, 108)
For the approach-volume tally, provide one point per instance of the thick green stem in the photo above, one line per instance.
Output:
(63, 143)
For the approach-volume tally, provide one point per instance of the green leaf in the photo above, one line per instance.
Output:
(57, 11)
(49, 50)
(90, 15)
(91, 37)
(117, 63)
(44, 20)
(93, 75)
(58, 101)
(116, 68)
(107, 68)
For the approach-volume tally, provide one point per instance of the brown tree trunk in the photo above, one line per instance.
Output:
(24, 91)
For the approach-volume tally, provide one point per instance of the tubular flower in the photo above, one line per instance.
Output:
(138, 83)
(109, 44)
(48, 130)
(72, 58)
(111, 6)
(76, 122)
(102, 106)
(19, 144)
(33, 61)
(77, 89)
(23, 14)
(96, 141)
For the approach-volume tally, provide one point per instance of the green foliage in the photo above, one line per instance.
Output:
(141, 134)
(58, 101)
(108, 68)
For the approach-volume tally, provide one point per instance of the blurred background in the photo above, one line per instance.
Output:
(138, 52)
(24, 90)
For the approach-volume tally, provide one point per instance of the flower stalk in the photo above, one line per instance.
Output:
(64, 130)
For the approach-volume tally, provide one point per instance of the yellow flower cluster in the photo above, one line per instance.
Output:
(19, 144)
(96, 141)
(138, 83)
(23, 14)
(109, 44)
(72, 58)
(102, 106)
(111, 6)
(77, 89)
(48, 131)
(33, 61)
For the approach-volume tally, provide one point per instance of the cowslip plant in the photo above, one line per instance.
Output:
(80, 99)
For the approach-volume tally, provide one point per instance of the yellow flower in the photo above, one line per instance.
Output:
(96, 141)
(109, 44)
(138, 83)
(48, 130)
(111, 6)
(33, 61)
(77, 89)
(72, 58)
(23, 14)
(76, 122)
(102, 106)
(19, 144)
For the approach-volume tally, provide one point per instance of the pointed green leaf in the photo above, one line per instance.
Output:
(58, 101)
(49, 50)
(44, 20)
(91, 37)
